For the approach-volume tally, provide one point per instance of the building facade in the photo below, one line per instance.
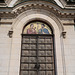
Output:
(37, 37)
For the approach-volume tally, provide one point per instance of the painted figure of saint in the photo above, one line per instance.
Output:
(43, 30)
(31, 30)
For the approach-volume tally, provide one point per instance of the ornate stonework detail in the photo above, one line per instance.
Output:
(10, 33)
(59, 13)
(6, 15)
(45, 7)
(64, 34)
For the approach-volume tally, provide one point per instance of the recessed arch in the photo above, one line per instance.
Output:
(37, 16)
(22, 20)
(37, 49)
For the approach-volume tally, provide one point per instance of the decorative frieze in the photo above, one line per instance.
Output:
(7, 15)
(58, 13)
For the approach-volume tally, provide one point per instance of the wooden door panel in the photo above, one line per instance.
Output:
(37, 56)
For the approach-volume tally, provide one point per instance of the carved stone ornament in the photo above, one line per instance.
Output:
(59, 12)
(64, 34)
(10, 33)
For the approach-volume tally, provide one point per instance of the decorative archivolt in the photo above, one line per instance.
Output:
(61, 13)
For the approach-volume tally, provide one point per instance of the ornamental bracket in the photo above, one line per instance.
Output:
(10, 33)
(64, 34)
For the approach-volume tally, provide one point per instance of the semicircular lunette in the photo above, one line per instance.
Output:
(37, 28)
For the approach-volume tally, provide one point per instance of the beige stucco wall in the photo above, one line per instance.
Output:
(5, 48)
(69, 48)
(10, 48)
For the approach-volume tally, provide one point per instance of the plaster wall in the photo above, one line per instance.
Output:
(5, 48)
(69, 49)
(10, 48)
(18, 25)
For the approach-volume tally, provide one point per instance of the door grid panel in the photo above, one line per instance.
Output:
(37, 57)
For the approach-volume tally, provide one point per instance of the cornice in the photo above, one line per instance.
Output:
(7, 15)
(65, 5)
(59, 12)
(10, 3)
(66, 24)
(6, 23)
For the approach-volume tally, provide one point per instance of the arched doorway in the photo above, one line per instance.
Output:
(37, 51)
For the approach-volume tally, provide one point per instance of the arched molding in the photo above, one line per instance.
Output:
(59, 12)
(18, 25)
(37, 13)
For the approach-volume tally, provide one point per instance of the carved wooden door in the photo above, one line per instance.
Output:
(37, 57)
